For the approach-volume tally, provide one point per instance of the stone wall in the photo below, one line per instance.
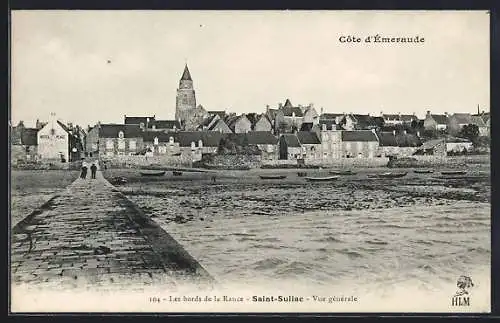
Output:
(137, 161)
(350, 162)
(237, 160)
(437, 161)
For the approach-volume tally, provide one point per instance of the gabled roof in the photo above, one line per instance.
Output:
(288, 104)
(289, 111)
(359, 135)
(462, 118)
(29, 136)
(214, 125)
(363, 121)
(65, 127)
(440, 118)
(262, 116)
(111, 130)
(186, 76)
(138, 120)
(206, 122)
(165, 124)
(379, 121)
(399, 117)
(208, 138)
(308, 138)
(387, 139)
(291, 140)
(260, 138)
(486, 117)
(232, 121)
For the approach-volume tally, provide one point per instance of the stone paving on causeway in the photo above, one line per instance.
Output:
(90, 235)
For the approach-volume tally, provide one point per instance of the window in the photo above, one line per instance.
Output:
(171, 140)
(132, 145)
(120, 134)
(110, 144)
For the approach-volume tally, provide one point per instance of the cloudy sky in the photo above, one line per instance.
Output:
(89, 66)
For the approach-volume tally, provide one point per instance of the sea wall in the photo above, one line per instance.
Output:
(237, 160)
(138, 161)
(448, 161)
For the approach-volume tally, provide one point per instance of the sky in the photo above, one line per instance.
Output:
(90, 66)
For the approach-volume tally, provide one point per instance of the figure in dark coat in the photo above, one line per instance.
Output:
(83, 174)
(93, 169)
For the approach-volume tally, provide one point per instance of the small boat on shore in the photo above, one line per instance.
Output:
(423, 171)
(176, 173)
(153, 173)
(321, 179)
(302, 174)
(272, 176)
(454, 172)
(342, 172)
(388, 175)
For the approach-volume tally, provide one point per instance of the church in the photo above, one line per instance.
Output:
(187, 113)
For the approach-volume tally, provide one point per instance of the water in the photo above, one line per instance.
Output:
(384, 239)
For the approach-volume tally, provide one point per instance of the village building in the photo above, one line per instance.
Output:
(434, 147)
(157, 143)
(56, 142)
(214, 123)
(457, 121)
(358, 122)
(24, 145)
(398, 144)
(289, 147)
(436, 122)
(239, 124)
(262, 123)
(263, 143)
(359, 144)
(114, 139)
(310, 144)
(456, 145)
(194, 144)
(484, 128)
(310, 115)
(189, 115)
(331, 143)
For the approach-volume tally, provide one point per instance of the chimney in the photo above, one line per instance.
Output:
(381, 113)
(267, 108)
(321, 110)
(478, 109)
(394, 132)
(428, 113)
(446, 113)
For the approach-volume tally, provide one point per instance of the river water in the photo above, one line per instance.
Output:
(386, 240)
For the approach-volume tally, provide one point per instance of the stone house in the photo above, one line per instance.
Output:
(292, 117)
(262, 123)
(398, 144)
(25, 147)
(358, 122)
(114, 139)
(289, 147)
(239, 124)
(458, 145)
(360, 144)
(310, 144)
(484, 128)
(214, 123)
(436, 122)
(55, 141)
(194, 144)
(310, 115)
(160, 143)
(331, 143)
(457, 121)
(266, 142)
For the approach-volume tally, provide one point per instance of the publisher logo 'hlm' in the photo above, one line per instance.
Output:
(461, 297)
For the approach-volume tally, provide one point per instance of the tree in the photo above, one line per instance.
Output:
(471, 132)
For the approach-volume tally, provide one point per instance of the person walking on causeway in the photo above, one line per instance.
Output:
(83, 174)
(93, 169)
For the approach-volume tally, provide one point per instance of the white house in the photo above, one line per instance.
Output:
(53, 141)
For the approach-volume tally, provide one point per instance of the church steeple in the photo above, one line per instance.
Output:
(186, 76)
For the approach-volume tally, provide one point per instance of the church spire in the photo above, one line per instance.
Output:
(186, 76)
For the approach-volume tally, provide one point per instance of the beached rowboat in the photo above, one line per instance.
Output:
(272, 176)
(153, 173)
(387, 175)
(321, 179)
(454, 172)
(423, 171)
(342, 172)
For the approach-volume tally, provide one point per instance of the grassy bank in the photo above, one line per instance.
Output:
(31, 188)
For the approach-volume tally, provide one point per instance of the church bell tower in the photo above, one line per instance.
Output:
(185, 101)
